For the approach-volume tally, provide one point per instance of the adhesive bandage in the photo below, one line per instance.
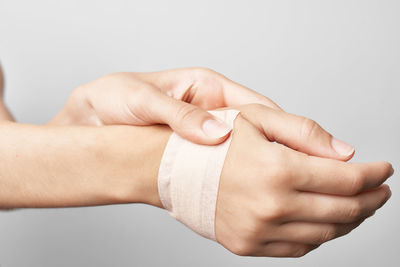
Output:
(188, 179)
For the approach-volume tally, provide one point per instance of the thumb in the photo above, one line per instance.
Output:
(189, 121)
(299, 133)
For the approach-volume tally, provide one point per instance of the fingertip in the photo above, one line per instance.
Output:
(198, 137)
(195, 124)
(387, 192)
(391, 172)
(217, 141)
(349, 157)
(387, 169)
(216, 129)
(344, 150)
(385, 187)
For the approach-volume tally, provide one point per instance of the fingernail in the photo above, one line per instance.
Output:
(215, 128)
(342, 148)
(390, 194)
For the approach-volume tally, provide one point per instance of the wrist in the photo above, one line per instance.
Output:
(134, 155)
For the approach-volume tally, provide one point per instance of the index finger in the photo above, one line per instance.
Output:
(214, 90)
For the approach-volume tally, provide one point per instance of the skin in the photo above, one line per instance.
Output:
(275, 199)
(4, 113)
(278, 202)
(67, 166)
(272, 200)
(178, 98)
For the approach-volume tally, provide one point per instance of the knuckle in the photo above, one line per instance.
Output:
(276, 172)
(357, 183)
(242, 248)
(240, 122)
(274, 212)
(201, 72)
(249, 109)
(279, 176)
(184, 112)
(308, 128)
(327, 235)
(79, 94)
(355, 211)
(144, 91)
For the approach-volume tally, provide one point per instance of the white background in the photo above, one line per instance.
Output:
(337, 62)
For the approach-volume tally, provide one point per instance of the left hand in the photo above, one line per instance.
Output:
(180, 99)
(5, 114)
(177, 97)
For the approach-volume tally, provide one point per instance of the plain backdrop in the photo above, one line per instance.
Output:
(337, 62)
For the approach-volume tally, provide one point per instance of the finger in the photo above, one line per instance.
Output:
(340, 178)
(312, 233)
(285, 249)
(207, 88)
(296, 132)
(189, 121)
(311, 207)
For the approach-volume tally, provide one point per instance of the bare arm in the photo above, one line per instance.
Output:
(44, 166)
(272, 200)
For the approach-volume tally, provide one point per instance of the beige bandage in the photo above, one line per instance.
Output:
(188, 179)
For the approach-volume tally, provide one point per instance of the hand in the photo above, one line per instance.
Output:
(275, 201)
(178, 98)
(1, 83)
(4, 112)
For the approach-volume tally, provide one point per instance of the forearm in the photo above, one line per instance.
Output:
(45, 166)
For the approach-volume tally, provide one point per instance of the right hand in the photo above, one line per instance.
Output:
(278, 202)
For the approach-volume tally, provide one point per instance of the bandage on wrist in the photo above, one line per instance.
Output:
(188, 179)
